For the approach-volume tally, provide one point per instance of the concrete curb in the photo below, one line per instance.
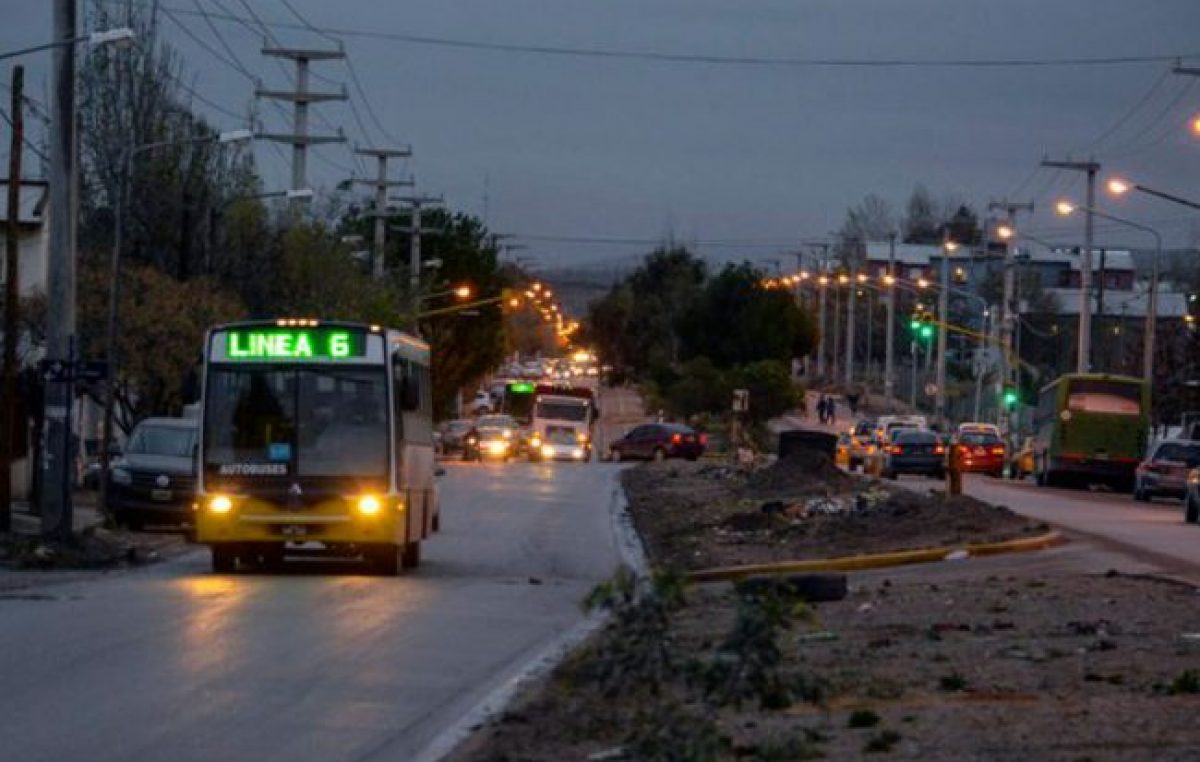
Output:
(880, 560)
(628, 544)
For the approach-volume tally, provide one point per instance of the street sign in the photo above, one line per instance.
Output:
(741, 400)
(60, 371)
(91, 371)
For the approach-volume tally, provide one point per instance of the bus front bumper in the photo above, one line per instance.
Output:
(259, 523)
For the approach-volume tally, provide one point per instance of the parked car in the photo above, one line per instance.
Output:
(659, 441)
(1191, 498)
(982, 451)
(154, 481)
(451, 434)
(913, 451)
(1164, 472)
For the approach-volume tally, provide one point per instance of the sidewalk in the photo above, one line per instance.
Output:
(86, 516)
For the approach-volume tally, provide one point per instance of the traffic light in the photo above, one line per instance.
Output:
(922, 325)
(1009, 397)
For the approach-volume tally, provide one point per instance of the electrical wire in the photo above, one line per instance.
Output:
(1134, 109)
(713, 59)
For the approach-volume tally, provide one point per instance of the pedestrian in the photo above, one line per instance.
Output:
(823, 409)
(852, 401)
(831, 411)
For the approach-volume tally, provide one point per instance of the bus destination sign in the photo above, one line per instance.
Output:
(293, 344)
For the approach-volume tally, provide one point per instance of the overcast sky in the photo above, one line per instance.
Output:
(582, 147)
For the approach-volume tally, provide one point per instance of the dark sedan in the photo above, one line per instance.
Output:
(659, 441)
(915, 452)
(154, 481)
(1164, 473)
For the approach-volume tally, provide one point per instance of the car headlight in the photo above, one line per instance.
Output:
(578, 453)
(548, 452)
(535, 441)
(498, 447)
(121, 476)
(369, 505)
(220, 504)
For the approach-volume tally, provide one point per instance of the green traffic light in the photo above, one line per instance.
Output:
(926, 331)
(915, 324)
(1010, 398)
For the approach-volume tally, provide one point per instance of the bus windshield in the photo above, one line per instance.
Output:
(300, 422)
(562, 411)
(1090, 396)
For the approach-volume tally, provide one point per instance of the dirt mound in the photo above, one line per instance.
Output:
(804, 472)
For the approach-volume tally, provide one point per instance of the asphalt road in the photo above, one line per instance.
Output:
(318, 662)
(1154, 530)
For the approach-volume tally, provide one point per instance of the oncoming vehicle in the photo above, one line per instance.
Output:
(492, 442)
(1091, 428)
(451, 434)
(315, 432)
(562, 445)
(1164, 473)
(915, 452)
(155, 480)
(561, 409)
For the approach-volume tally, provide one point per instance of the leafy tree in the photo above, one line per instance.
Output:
(163, 322)
(772, 392)
(871, 219)
(963, 227)
(736, 321)
(921, 223)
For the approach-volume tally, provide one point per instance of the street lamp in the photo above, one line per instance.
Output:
(1119, 187)
(114, 286)
(122, 37)
(1065, 208)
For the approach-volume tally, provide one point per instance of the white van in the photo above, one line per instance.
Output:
(887, 424)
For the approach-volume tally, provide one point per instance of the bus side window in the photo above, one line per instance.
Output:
(399, 373)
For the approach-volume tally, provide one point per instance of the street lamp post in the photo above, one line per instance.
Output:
(121, 36)
(948, 247)
(1065, 208)
(114, 285)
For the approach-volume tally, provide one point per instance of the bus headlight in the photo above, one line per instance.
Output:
(535, 441)
(369, 505)
(220, 504)
(578, 453)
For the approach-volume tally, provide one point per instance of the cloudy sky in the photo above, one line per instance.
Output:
(585, 156)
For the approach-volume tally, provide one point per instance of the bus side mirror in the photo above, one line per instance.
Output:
(410, 395)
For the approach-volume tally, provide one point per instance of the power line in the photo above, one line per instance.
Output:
(713, 59)
(1131, 148)
(1134, 109)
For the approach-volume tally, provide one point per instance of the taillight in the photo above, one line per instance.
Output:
(676, 439)
(997, 451)
(939, 450)
(897, 450)
(704, 439)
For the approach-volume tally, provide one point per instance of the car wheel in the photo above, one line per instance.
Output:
(224, 559)
(1140, 494)
(659, 455)
(940, 475)
(1191, 509)
(614, 455)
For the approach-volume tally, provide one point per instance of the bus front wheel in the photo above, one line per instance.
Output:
(224, 559)
(384, 559)
(410, 555)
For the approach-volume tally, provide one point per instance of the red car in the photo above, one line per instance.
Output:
(659, 441)
(981, 451)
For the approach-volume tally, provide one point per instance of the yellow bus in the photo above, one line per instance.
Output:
(315, 437)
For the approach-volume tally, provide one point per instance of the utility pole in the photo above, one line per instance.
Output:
(57, 510)
(850, 307)
(300, 98)
(1084, 363)
(822, 275)
(12, 295)
(415, 204)
(889, 359)
(382, 183)
(943, 330)
(1008, 311)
